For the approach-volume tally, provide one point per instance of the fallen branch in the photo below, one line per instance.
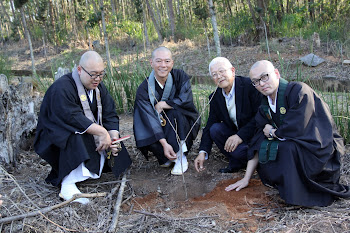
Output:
(174, 219)
(117, 206)
(49, 208)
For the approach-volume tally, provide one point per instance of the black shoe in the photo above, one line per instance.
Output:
(228, 170)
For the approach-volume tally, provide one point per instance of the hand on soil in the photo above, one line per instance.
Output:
(199, 161)
(238, 185)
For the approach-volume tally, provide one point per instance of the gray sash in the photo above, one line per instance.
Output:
(152, 91)
(84, 102)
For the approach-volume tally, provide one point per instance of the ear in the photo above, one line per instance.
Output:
(277, 73)
(233, 70)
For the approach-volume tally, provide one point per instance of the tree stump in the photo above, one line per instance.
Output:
(19, 107)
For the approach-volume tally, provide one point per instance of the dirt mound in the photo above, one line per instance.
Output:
(227, 207)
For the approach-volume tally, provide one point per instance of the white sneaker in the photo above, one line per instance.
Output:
(167, 164)
(178, 169)
(67, 192)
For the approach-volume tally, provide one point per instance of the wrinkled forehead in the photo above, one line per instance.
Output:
(219, 65)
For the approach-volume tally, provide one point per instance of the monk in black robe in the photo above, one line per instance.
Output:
(297, 147)
(164, 113)
(73, 139)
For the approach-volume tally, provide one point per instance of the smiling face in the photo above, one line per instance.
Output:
(93, 64)
(260, 70)
(223, 75)
(162, 63)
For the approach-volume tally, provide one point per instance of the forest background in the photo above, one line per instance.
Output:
(118, 27)
(43, 35)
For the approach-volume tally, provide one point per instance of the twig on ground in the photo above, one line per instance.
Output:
(103, 183)
(174, 219)
(117, 206)
(49, 208)
(65, 229)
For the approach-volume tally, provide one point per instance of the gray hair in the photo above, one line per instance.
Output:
(162, 48)
(223, 60)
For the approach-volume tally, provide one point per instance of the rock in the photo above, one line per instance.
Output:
(346, 62)
(311, 60)
(3, 83)
(316, 39)
(60, 72)
(330, 76)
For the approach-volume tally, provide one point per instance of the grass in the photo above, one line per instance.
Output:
(338, 102)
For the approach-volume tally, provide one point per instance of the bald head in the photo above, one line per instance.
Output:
(265, 77)
(90, 58)
(263, 65)
(161, 49)
(222, 60)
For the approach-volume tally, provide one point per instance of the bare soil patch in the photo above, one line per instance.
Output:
(155, 200)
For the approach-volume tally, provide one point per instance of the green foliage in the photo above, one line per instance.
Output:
(94, 19)
(139, 10)
(42, 11)
(339, 103)
(5, 65)
(19, 3)
(201, 11)
(123, 84)
(132, 28)
(237, 25)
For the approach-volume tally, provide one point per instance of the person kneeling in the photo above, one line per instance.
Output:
(77, 123)
(297, 148)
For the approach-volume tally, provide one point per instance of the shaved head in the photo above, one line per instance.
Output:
(89, 58)
(266, 65)
(159, 49)
(266, 78)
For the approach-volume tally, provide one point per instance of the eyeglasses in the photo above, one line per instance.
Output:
(95, 76)
(220, 72)
(263, 77)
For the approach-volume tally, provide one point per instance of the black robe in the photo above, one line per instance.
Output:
(60, 137)
(147, 128)
(307, 168)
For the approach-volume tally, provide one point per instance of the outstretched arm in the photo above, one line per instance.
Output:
(248, 174)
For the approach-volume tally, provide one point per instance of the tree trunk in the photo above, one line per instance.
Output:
(252, 12)
(311, 10)
(21, 33)
(72, 20)
(145, 28)
(160, 38)
(5, 12)
(53, 24)
(171, 19)
(227, 2)
(28, 38)
(206, 35)
(96, 11)
(159, 21)
(215, 27)
(106, 38)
